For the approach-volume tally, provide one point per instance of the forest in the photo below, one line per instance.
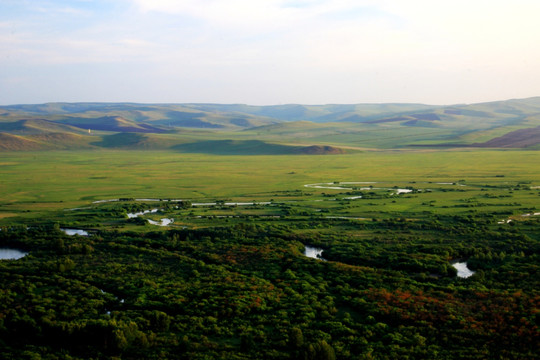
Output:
(231, 280)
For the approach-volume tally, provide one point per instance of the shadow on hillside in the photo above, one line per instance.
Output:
(253, 147)
(236, 147)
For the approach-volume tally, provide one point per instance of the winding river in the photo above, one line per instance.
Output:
(346, 186)
(167, 222)
(162, 222)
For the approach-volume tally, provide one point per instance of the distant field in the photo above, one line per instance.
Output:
(40, 181)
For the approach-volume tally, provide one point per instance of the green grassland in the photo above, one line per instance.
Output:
(33, 182)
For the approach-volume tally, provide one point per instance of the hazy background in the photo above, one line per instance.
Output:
(269, 51)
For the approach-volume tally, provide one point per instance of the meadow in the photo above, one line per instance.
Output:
(60, 179)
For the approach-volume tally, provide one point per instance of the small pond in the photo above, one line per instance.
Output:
(11, 254)
(313, 252)
(462, 270)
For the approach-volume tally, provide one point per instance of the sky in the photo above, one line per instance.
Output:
(266, 52)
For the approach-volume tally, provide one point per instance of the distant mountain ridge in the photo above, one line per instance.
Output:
(224, 113)
(391, 125)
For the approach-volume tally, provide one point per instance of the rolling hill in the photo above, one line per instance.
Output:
(37, 126)
(158, 115)
(112, 123)
(43, 141)
(504, 124)
(9, 142)
(515, 139)
(62, 140)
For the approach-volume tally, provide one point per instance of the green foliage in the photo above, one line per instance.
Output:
(245, 290)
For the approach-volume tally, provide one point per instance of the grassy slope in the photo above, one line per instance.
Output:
(37, 126)
(182, 115)
(9, 142)
(368, 125)
(138, 141)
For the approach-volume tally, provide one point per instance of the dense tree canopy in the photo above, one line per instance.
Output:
(245, 290)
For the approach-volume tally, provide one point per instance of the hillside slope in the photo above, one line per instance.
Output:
(37, 126)
(491, 124)
(9, 142)
(516, 139)
(112, 123)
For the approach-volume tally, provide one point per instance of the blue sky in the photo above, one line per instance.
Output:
(269, 51)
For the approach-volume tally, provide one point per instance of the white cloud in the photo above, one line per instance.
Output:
(253, 16)
(333, 49)
(383, 29)
(231, 12)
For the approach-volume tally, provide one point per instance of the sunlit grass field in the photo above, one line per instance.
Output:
(33, 183)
